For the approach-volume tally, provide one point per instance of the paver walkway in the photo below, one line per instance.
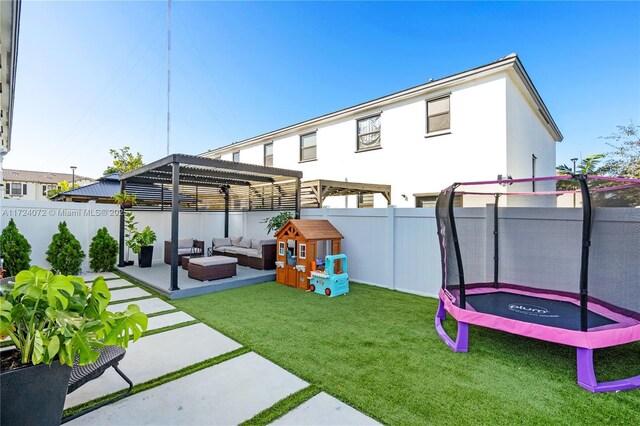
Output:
(226, 393)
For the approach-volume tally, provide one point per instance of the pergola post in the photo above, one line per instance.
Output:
(225, 191)
(121, 238)
(175, 215)
(298, 198)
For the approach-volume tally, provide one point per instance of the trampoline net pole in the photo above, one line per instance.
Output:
(495, 241)
(586, 243)
(456, 245)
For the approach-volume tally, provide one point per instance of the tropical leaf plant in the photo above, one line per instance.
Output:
(52, 317)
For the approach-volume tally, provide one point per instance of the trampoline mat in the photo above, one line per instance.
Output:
(549, 312)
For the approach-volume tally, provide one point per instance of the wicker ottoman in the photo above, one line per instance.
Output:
(212, 268)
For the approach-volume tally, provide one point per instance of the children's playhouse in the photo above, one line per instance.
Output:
(302, 247)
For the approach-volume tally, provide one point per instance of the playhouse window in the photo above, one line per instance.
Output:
(303, 251)
(281, 248)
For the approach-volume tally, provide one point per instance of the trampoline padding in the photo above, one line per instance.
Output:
(537, 310)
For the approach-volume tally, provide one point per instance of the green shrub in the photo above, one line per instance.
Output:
(103, 252)
(65, 253)
(14, 249)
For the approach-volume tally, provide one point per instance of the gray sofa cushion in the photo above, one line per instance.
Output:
(235, 241)
(185, 242)
(245, 242)
(221, 242)
(213, 260)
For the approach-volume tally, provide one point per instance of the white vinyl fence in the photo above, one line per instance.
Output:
(38, 221)
(395, 248)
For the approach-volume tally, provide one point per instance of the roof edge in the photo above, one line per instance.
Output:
(505, 62)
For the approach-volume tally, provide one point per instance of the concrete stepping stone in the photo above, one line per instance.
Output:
(128, 293)
(167, 320)
(119, 283)
(148, 306)
(156, 355)
(323, 409)
(90, 276)
(224, 394)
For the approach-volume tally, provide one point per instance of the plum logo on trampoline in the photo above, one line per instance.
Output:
(533, 310)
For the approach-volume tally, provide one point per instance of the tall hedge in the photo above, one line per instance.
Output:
(65, 252)
(103, 252)
(14, 249)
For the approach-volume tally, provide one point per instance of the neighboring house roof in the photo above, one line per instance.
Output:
(312, 229)
(508, 62)
(39, 177)
(108, 186)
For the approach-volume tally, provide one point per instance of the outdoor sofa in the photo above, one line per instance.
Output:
(186, 247)
(252, 252)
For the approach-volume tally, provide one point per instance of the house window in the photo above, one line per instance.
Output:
(44, 190)
(438, 115)
(369, 133)
(281, 248)
(16, 188)
(365, 201)
(236, 156)
(302, 254)
(308, 147)
(7, 188)
(268, 154)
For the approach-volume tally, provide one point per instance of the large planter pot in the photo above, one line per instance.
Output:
(145, 256)
(33, 395)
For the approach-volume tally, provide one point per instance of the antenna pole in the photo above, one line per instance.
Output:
(168, 73)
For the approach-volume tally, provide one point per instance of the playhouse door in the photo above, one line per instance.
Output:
(290, 275)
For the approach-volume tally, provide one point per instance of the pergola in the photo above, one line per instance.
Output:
(314, 192)
(206, 184)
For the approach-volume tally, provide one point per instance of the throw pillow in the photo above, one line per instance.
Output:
(221, 242)
(235, 241)
(246, 242)
(185, 242)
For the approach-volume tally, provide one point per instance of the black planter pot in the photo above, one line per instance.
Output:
(145, 256)
(33, 395)
(128, 262)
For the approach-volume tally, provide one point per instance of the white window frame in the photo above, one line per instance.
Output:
(234, 155)
(266, 157)
(378, 145)
(439, 131)
(303, 149)
(20, 187)
(302, 251)
(281, 248)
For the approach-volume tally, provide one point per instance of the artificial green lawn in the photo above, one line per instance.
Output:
(378, 351)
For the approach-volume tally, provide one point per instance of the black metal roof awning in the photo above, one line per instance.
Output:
(203, 171)
(208, 183)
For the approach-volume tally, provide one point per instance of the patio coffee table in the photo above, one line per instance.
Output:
(212, 267)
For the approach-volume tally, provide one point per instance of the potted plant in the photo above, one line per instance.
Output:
(52, 319)
(127, 201)
(276, 222)
(143, 245)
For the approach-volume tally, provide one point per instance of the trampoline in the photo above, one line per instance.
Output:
(514, 260)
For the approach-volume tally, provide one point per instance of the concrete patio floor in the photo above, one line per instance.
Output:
(158, 277)
(229, 392)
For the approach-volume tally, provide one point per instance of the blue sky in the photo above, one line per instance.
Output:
(92, 75)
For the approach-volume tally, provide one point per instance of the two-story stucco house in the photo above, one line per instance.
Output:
(474, 125)
(32, 185)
